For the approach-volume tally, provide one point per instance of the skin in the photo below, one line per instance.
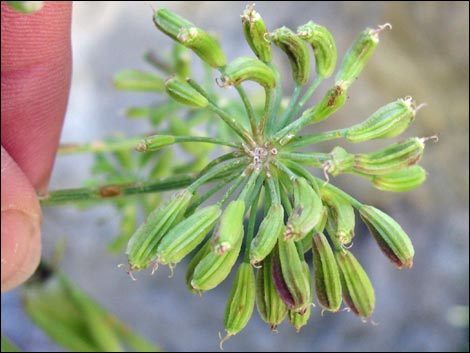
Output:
(36, 70)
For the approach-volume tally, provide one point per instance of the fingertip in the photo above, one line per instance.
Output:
(21, 248)
(20, 225)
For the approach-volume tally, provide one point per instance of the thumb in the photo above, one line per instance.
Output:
(21, 218)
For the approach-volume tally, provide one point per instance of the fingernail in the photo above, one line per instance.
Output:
(21, 247)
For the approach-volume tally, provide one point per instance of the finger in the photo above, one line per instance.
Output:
(21, 237)
(36, 68)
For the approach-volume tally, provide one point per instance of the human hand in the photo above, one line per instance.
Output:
(36, 70)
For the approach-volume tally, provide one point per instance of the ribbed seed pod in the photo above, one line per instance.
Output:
(170, 23)
(359, 54)
(255, 33)
(229, 230)
(388, 121)
(241, 302)
(248, 69)
(401, 180)
(213, 268)
(270, 306)
(358, 293)
(288, 275)
(391, 238)
(296, 319)
(323, 45)
(391, 158)
(155, 142)
(326, 274)
(333, 100)
(183, 93)
(307, 211)
(269, 231)
(200, 254)
(307, 241)
(141, 249)
(296, 51)
(203, 45)
(341, 162)
(341, 219)
(135, 80)
(187, 235)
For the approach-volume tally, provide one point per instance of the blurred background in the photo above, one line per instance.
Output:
(426, 55)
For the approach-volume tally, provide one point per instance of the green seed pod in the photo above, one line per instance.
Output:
(296, 51)
(213, 268)
(241, 302)
(155, 142)
(170, 23)
(181, 61)
(229, 230)
(389, 121)
(333, 100)
(359, 54)
(203, 45)
(307, 210)
(341, 219)
(391, 158)
(248, 69)
(135, 80)
(295, 290)
(341, 162)
(326, 274)
(358, 293)
(187, 235)
(269, 231)
(141, 249)
(270, 306)
(307, 241)
(200, 254)
(323, 45)
(296, 319)
(402, 180)
(183, 93)
(391, 238)
(255, 33)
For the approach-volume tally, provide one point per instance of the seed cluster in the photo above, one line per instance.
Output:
(265, 175)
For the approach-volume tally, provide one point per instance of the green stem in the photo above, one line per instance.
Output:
(287, 133)
(251, 228)
(356, 204)
(234, 125)
(284, 169)
(217, 172)
(114, 191)
(276, 101)
(307, 95)
(312, 159)
(285, 201)
(300, 170)
(208, 194)
(273, 191)
(250, 197)
(268, 103)
(146, 143)
(152, 58)
(249, 109)
(218, 160)
(100, 146)
(288, 112)
(305, 140)
(232, 189)
(248, 188)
